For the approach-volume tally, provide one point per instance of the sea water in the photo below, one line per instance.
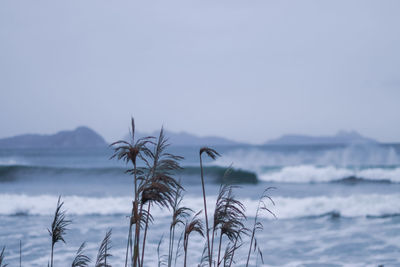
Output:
(334, 205)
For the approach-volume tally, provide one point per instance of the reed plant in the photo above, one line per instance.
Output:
(58, 227)
(154, 184)
(130, 152)
(161, 259)
(231, 249)
(257, 225)
(178, 252)
(204, 257)
(179, 214)
(160, 186)
(81, 260)
(104, 251)
(192, 226)
(2, 264)
(213, 154)
(132, 221)
(229, 218)
(229, 221)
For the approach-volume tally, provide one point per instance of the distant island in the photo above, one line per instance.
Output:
(187, 139)
(341, 138)
(84, 137)
(80, 137)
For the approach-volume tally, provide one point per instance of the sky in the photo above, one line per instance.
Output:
(246, 70)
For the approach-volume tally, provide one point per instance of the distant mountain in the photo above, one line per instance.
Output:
(80, 137)
(341, 137)
(185, 139)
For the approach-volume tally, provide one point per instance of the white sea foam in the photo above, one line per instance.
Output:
(285, 208)
(351, 206)
(309, 173)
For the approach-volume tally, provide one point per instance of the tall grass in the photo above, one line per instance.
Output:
(229, 218)
(2, 264)
(154, 184)
(130, 152)
(161, 259)
(179, 215)
(58, 227)
(258, 226)
(192, 226)
(104, 251)
(81, 260)
(159, 187)
(132, 222)
(212, 154)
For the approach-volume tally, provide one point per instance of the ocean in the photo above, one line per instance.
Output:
(334, 205)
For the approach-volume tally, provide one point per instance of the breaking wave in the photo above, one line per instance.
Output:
(289, 174)
(315, 174)
(344, 156)
(370, 205)
(10, 173)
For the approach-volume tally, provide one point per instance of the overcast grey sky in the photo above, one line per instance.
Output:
(246, 70)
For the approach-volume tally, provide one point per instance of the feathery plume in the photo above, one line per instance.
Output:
(159, 187)
(103, 253)
(81, 260)
(258, 226)
(194, 225)
(58, 227)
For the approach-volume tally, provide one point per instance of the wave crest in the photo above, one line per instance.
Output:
(13, 172)
(352, 155)
(314, 174)
(371, 205)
